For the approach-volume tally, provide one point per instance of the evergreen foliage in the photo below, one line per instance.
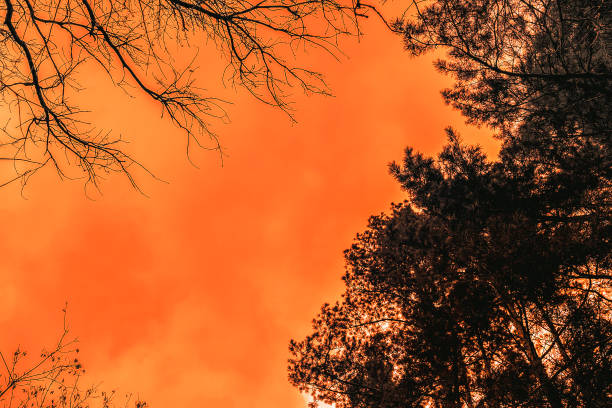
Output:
(491, 285)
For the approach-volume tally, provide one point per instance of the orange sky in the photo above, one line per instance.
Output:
(190, 297)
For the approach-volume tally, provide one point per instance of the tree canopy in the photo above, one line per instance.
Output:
(469, 294)
(136, 43)
(491, 285)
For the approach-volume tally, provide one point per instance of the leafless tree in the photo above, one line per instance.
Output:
(51, 380)
(135, 42)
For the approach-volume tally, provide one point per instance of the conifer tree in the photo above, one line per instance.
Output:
(490, 286)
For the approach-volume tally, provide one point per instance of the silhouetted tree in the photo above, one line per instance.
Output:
(43, 43)
(491, 285)
(51, 380)
(464, 296)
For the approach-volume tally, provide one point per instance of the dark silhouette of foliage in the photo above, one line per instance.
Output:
(136, 42)
(521, 65)
(491, 285)
(465, 296)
